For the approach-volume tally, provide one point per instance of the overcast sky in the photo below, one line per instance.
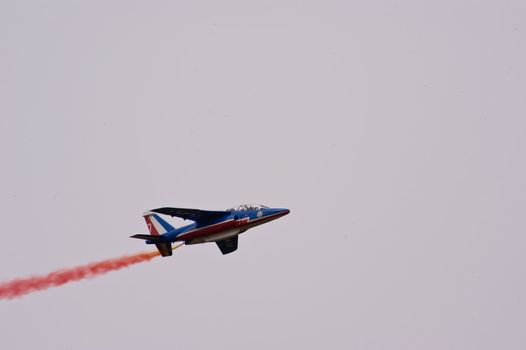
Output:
(395, 131)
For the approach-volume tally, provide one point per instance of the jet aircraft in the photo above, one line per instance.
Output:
(221, 227)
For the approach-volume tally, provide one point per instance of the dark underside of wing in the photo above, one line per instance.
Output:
(196, 215)
(228, 245)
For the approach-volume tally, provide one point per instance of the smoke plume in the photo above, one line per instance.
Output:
(18, 287)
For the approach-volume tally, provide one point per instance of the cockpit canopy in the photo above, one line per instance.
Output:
(248, 207)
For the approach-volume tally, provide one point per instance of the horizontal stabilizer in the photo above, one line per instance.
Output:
(148, 237)
(165, 248)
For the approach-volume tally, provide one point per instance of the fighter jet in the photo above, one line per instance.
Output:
(221, 227)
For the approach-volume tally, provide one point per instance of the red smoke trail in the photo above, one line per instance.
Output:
(18, 287)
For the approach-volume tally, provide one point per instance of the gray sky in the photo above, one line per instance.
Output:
(393, 130)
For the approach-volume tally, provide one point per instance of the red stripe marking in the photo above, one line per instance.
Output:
(151, 226)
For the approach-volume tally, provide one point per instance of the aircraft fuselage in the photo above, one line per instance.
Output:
(237, 223)
(222, 227)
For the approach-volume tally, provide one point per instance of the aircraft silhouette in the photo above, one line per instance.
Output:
(221, 227)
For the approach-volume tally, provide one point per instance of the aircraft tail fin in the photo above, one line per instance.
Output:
(156, 225)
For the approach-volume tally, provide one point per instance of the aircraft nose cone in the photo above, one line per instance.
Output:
(281, 211)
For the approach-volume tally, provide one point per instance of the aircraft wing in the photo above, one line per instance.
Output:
(196, 215)
(227, 245)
